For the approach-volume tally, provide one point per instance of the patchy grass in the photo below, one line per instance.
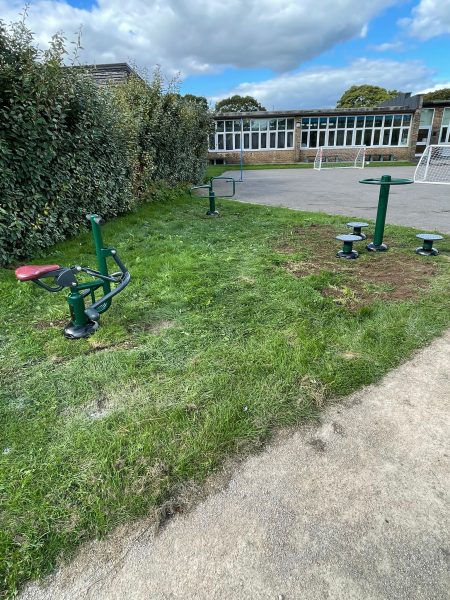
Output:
(216, 170)
(229, 328)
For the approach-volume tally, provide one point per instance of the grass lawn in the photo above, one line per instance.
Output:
(229, 328)
(216, 170)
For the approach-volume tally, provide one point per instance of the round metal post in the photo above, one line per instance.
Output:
(377, 245)
(212, 212)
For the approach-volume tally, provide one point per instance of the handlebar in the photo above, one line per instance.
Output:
(91, 312)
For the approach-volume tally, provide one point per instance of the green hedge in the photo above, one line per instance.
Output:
(68, 148)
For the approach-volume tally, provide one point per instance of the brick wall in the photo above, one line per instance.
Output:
(437, 122)
(257, 157)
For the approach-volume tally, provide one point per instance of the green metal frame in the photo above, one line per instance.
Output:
(385, 185)
(212, 212)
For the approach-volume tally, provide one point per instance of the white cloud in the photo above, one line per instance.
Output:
(429, 19)
(434, 88)
(197, 36)
(322, 87)
(388, 46)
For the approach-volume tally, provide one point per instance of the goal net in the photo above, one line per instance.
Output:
(347, 157)
(434, 165)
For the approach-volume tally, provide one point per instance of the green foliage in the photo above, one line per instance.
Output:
(167, 133)
(62, 152)
(364, 96)
(68, 147)
(238, 104)
(443, 94)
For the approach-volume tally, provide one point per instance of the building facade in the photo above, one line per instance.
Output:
(399, 129)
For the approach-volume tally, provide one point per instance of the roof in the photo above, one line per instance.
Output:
(114, 73)
(404, 100)
(308, 112)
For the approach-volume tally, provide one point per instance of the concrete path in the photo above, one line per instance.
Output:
(337, 191)
(356, 508)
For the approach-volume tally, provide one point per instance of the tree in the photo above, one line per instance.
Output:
(199, 100)
(238, 104)
(443, 94)
(364, 96)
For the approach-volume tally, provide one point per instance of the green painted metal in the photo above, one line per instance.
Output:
(383, 199)
(77, 308)
(212, 211)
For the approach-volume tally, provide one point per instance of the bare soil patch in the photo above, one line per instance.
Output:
(398, 274)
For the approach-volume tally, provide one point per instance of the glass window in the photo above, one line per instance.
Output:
(237, 125)
(367, 137)
(273, 140)
(376, 137)
(220, 125)
(426, 117)
(369, 121)
(246, 141)
(322, 138)
(395, 137)
(378, 120)
(304, 139)
(397, 120)
(406, 119)
(443, 138)
(264, 140)
(229, 140)
(237, 141)
(314, 122)
(340, 137)
(290, 124)
(255, 125)
(290, 139)
(313, 139)
(386, 137)
(388, 120)
(272, 124)
(212, 142)
(263, 124)
(246, 125)
(446, 117)
(281, 139)
(220, 142)
(331, 136)
(281, 124)
(359, 121)
(228, 125)
(341, 121)
(323, 122)
(404, 137)
(358, 137)
(305, 123)
(350, 121)
(332, 122)
(255, 141)
(349, 137)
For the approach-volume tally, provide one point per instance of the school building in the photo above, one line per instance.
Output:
(398, 129)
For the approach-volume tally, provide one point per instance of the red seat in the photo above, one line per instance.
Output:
(28, 272)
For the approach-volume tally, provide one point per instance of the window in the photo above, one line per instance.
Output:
(259, 134)
(426, 117)
(370, 130)
(444, 135)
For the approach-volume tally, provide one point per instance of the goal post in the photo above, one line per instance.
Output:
(434, 165)
(345, 157)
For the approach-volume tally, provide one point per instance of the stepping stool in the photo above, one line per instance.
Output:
(427, 247)
(347, 249)
(357, 226)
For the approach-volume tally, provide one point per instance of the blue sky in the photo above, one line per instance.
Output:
(287, 53)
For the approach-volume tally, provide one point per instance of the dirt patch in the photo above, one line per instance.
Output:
(40, 325)
(394, 275)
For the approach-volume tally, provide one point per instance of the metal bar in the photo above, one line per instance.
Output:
(381, 211)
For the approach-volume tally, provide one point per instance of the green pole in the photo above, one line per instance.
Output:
(212, 212)
(100, 249)
(377, 244)
(77, 307)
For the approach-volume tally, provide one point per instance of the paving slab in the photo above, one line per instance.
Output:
(337, 191)
(353, 508)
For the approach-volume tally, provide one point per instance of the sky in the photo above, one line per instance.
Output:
(289, 54)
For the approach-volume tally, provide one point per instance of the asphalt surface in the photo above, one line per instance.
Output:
(354, 508)
(337, 191)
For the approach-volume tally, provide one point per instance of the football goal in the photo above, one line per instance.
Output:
(434, 165)
(347, 157)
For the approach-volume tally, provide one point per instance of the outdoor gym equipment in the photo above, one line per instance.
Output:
(385, 185)
(211, 189)
(427, 244)
(347, 249)
(84, 320)
(357, 226)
